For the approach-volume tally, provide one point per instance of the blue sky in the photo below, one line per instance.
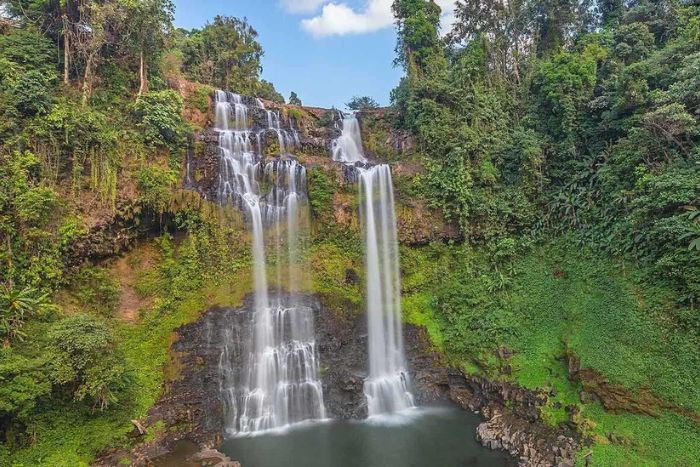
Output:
(326, 51)
(323, 71)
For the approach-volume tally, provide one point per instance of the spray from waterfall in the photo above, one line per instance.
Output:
(387, 385)
(280, 385)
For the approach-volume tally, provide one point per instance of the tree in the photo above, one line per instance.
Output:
(264, 90)
(159, 115)
(150, 23)
(505, 27)
(98, 28)
(224, 54)
(362, 103)
(294, 99)
(418, 45)
(86, 361)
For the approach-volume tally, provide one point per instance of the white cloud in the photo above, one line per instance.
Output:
(448, 15)
(339, 19)
(302, 6)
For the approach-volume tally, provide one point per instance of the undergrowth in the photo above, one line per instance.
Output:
(555, 297)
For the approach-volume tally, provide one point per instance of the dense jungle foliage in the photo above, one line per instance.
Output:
(551, 117)
(562, 137)
(92, 128)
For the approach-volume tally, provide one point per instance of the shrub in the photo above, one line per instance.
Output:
(85, 360)
(17, 305)
(154, 186)
(96, 291)
(159, 114)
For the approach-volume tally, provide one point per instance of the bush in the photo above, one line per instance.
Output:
(154, 186)
(32, 94)
(85, 360)
(159, 114)
(17, 305)
(362, 103)
(23, 382)
(96, 290)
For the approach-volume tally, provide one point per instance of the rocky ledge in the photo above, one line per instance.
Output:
(191, 412)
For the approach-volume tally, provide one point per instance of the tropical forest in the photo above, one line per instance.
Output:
(496, 262)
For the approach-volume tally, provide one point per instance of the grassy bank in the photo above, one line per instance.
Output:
(553, 299)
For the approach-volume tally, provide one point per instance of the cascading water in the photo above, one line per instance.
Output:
(348, 147)
(280, 385)
(387, 385)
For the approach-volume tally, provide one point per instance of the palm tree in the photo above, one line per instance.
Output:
(16, 307)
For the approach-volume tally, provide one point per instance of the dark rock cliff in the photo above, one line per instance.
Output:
(191, 410)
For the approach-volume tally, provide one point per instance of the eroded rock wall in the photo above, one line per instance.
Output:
(417, 223)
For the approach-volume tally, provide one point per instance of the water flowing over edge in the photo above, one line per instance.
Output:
(280, 385)
(347, 148)
(387, 387)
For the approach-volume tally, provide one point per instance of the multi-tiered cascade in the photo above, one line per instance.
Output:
(387, 385)
(280, 384)
(347, 148)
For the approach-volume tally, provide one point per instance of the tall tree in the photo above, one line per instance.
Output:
(99, 26)
(419, 46)
(150, 22)
(505, 26)
(225, 53)
(294, 99)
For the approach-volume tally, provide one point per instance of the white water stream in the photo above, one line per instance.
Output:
(387, 385)
(280, 386)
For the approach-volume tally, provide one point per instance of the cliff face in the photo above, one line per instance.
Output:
(317, 128)
(191, 412)
(190, 408)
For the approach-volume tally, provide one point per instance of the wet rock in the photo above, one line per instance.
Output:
(342, 343)
(351, 277)
(215, 458)
(191, 410)
(532, 444)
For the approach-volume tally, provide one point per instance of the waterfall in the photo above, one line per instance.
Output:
(387, 385)
(280, 384)
(284, 138)
(348, 147)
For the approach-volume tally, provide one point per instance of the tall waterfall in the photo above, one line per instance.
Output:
(280, 384)
(387, 385)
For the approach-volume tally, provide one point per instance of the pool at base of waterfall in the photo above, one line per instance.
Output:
(424, 437)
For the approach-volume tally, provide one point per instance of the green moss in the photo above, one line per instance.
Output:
(667, 440)
(321, 189)
(297, 114)
(155, 431)
(418, 269)
(376, 130)
(331, 266)
(596, 307)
